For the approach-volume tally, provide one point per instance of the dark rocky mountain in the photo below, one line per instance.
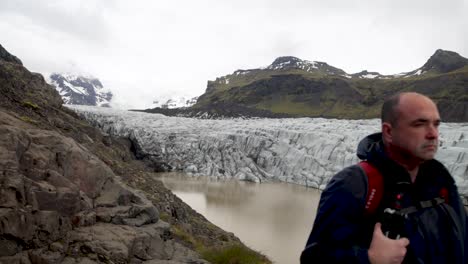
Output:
(444, 61)
(69, 194)
(290, 86)
(80, 90)
(6, 56)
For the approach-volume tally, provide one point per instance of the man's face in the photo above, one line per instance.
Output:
(416, 132)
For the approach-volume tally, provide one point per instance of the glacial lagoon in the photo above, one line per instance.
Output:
(273, 218)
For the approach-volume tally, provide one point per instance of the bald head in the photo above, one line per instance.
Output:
(393, 106)
(410, 128)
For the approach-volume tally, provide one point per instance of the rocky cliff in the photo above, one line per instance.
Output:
(71, 195)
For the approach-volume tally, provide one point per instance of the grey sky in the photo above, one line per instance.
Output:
(145, 49)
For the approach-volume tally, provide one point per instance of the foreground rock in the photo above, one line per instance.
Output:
(60, 203)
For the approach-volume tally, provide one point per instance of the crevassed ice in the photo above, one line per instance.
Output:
(306, 151)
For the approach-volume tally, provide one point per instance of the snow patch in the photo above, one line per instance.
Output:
(171, 102)
(370, 76)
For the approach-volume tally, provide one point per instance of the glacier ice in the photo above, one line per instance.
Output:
(306, 151)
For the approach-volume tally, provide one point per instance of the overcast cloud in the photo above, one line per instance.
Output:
(143, 50)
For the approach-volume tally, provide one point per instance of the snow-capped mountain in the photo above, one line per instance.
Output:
(299, 88)
(290, 62)
(80, 90)
(306, 151)
(282, 64)
(442, 61)
(175, 102)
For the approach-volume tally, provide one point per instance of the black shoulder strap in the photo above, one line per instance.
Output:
(422, 205)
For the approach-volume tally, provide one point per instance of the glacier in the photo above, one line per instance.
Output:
(305, 151)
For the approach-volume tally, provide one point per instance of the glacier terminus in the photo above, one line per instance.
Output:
(305, 151)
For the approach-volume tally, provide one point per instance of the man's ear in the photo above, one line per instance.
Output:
(387, 132)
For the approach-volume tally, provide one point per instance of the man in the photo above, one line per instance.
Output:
(433, 228)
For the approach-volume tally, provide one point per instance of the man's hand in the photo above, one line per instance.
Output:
(384, 250)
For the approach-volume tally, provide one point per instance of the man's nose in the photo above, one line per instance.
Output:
(432, 132)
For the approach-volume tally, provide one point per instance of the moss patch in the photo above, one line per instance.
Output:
(31, 105)
(232, 254)
(235, 254)
(28, 120)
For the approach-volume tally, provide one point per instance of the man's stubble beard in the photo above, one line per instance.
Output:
(425, 153)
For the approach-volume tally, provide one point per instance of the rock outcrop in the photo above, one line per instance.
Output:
(6, 56)
(60, 203)
(443, 61)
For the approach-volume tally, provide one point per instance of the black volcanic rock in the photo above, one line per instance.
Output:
(285, 59)
(6, 56)
(443, 61)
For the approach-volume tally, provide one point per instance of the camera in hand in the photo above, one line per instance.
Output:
(392, 223)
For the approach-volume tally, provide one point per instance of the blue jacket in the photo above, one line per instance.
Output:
(342, 232)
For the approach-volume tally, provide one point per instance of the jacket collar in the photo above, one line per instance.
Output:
(371, 148)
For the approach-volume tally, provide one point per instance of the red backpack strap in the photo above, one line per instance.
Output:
(375, 187)
(443, 193)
